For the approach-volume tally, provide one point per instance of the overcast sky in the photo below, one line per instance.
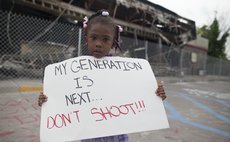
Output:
(200, 11)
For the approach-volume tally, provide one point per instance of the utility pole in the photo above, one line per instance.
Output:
(79, 42)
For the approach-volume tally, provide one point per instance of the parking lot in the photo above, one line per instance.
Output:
(198, 111)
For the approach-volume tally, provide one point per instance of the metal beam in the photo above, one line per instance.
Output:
(78, 13)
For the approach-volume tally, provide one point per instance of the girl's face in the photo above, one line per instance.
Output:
(100, 39)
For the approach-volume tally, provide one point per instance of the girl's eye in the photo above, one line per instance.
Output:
(105, 39)
(93, 37)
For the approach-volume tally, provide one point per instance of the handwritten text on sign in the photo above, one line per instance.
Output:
(89, 97)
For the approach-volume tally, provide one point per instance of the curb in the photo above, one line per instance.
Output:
(30, 88)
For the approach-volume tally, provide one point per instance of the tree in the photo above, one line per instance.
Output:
(216, 46)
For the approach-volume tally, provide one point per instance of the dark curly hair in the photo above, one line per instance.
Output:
(102, 16)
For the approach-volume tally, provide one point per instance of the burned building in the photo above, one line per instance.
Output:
(150, 30)
(141, 17)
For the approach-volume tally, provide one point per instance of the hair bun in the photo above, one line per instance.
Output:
(120, 28)
(105, 13)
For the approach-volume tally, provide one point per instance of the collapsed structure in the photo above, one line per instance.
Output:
(140, 17)
(150, 31)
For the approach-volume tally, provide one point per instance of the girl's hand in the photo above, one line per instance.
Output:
(42, 98)
(160, 90)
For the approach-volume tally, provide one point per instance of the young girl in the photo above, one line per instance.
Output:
(101, 36)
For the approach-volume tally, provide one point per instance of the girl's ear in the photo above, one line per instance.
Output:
(115, 39)
(114, 44)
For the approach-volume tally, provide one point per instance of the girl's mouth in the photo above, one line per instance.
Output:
(97, 53)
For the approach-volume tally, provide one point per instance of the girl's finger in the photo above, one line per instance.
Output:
(42, 96)
(161, 93)
(40, 102)
(43, 99)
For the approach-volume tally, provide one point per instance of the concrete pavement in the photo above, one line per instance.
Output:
(197, 110)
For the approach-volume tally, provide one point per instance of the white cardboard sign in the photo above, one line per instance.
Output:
(90, 97)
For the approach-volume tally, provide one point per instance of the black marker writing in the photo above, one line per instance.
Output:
(77, 98)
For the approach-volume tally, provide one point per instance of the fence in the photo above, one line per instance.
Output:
(28, 44)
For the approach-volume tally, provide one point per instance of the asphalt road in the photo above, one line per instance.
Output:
(197, 112)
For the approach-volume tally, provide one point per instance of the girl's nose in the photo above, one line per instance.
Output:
(98, 44)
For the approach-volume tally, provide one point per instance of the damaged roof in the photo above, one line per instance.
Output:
(141, 17)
